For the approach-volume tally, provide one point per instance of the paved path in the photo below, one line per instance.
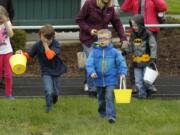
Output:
(32, 86)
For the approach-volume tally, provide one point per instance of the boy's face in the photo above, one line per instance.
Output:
(45, 40)
(134, 26)
(104, 41)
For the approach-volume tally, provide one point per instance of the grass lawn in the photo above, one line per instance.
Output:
(173, 6)
(78, 116)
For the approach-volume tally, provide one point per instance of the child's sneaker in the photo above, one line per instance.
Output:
(112, 121)
(55, 99)
(10, 97)
(153, 89)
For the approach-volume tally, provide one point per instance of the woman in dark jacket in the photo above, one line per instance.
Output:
(93, 16)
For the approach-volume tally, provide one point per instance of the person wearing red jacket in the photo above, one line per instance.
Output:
(149, 9)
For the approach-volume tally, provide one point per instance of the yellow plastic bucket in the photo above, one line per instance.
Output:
(122, 95)
(18, 63)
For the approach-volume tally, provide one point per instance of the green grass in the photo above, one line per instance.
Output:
(78, 116)
(173, 6)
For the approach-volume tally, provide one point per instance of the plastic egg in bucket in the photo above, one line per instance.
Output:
(18, 63)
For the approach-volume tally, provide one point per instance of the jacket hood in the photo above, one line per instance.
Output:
(139, 20)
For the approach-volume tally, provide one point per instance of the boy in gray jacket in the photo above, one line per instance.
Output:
(143, 47)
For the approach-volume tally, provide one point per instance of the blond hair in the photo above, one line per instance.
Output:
(3, 12)
(101, 5)
(105, 33)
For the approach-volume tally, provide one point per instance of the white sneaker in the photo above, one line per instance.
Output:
(153, 88)
(85, 87)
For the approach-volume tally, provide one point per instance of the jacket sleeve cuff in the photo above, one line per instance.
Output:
(26, 55)
(50, 54)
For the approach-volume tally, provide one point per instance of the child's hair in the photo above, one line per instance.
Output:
(104, 33)
(3, 11)
(47, 31)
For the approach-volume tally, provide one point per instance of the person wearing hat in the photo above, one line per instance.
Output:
(105, 65)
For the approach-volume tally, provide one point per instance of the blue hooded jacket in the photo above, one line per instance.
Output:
(108, 63)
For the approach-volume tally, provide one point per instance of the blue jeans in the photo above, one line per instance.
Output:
(89, 80)
(105, 97)
(51, 87)
(140, 84)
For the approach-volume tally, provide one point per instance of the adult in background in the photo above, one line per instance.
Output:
(115, 3)
(150, 10)
(8, 5)
(93, 16)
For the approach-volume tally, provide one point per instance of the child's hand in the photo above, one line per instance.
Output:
(44, 40)
(94, 75)
(19, 52)
(125, 44)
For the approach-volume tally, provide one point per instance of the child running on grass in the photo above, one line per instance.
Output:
(48, 53)
(6, 50)
(105, 65)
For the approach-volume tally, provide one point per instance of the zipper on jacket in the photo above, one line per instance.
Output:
(103, 66)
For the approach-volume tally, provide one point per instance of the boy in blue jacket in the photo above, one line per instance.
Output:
(105, 65)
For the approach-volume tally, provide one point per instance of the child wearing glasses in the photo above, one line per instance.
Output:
(105, 65)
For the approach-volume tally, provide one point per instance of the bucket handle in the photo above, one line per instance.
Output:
(19, 52)
(122, 83)
(154, 64)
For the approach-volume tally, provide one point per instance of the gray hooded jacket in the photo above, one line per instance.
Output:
(141, 42)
